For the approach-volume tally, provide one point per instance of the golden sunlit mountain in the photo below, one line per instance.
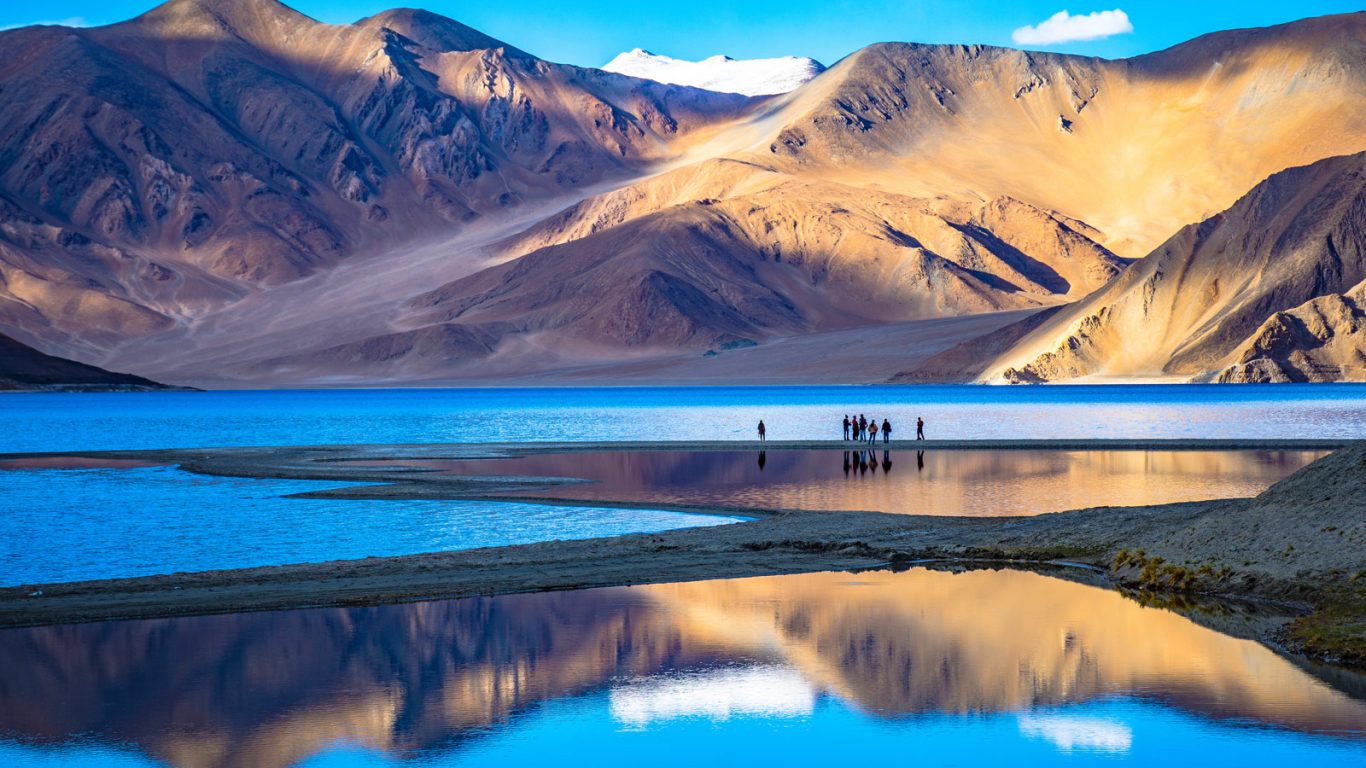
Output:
(226, 191)
(1269, 290)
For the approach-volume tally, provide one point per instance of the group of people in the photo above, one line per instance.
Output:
(863, 430)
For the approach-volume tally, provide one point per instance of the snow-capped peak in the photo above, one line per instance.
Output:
(751, 77)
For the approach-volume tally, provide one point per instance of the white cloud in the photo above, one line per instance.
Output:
(1063, 27)
(74, 21)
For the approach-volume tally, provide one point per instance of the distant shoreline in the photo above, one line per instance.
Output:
(1185, 551)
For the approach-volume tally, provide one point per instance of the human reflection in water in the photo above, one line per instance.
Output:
(846, 463)
(886, 462)
(763, 459)
(862, 463)
(920, 461)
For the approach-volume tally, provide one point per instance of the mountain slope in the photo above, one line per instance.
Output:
(1136, 148)
(24, 368)
(1269, 287)
(156, 170)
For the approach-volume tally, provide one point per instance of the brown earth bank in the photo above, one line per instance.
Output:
(1300, 545)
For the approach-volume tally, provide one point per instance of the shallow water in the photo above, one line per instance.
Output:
(95, 421)
(77, 524)
(985, 667)
(944, 482)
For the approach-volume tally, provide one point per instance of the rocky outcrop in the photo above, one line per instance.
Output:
(1321, 340)
(1268, 290)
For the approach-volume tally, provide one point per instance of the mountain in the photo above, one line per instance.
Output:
(24, 368)
(1269, 290)
(157, 170)
(225, 192)
(751, 77)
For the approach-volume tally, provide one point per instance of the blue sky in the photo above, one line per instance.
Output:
(590, 32)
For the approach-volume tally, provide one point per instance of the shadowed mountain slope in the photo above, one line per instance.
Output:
(25, 368)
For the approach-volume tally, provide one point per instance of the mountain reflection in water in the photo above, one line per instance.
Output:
(942, 482)
(439, 678)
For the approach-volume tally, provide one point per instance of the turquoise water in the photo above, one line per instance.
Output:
(808, 670)
(94, 421)
(72, 525)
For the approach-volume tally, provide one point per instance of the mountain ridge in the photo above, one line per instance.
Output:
(258, 197)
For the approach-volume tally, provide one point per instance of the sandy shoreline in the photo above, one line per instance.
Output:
(1302, 544)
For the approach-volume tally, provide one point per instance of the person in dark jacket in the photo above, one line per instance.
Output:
(886, 431)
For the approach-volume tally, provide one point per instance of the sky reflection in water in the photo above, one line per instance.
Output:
(975, 668)
(78, 524)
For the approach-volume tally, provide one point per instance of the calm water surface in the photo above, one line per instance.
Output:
(119, 520)
(980, 668)
(92, 421)
(77, 524)
(945, 482)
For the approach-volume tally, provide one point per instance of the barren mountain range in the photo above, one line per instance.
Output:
(226, 192)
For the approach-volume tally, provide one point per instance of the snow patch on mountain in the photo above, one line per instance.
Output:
(751, 77)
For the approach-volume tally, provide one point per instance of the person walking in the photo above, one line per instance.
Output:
(846, 426)
(872, 432)
(919, 428)
(763, 433)
(886, 431)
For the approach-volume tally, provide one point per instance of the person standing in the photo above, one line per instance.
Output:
(886, 431)
(763, 433)
(862, 426)
(846, 426)
(919, 428)
(872, 432)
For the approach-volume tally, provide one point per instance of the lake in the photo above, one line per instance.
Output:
(976, 668)
(68, 519)
(137, 420)
(78, 524)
